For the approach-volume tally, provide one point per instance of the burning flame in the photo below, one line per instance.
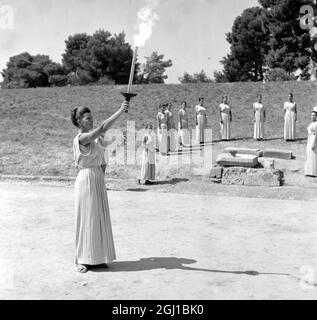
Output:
(146, 18)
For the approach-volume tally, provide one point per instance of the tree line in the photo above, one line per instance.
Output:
(267, 43)
(101, 58)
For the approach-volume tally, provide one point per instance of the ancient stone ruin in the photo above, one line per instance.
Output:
(249, 167)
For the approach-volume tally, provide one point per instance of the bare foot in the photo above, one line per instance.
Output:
(81, 268)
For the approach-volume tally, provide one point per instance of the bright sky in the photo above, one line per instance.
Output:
(189, 32)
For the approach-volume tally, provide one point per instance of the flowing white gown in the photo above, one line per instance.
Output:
(94, 238)
(311, 151)
(259, 120)
(289, 121)
(225, 125)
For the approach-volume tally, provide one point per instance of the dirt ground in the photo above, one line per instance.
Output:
(169, 245)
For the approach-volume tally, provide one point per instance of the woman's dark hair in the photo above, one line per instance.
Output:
(314, 113)
(291, 94)
(77, 113)
(201, 98)
(184, 102)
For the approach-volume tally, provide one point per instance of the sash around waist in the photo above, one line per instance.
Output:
(90, 167)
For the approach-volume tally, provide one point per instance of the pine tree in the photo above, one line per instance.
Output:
(289, 44)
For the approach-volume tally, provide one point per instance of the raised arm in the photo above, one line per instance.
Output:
(86, 138)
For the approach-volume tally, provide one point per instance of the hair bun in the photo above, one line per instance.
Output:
(73, 117)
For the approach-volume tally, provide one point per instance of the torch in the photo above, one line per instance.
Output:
(128, 95)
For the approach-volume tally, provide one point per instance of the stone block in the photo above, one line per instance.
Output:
(252, 177)
(279, 154)
(234, 151)
(267, 163)
(216, 173)
(227, 160)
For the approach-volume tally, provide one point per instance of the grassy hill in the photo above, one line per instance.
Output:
(36, 135)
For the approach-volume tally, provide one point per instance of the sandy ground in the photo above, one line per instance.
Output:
(169, 246)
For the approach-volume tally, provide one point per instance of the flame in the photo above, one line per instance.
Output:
(146, 18)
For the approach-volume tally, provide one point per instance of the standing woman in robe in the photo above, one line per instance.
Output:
(259, 119)
(162, 120)
(201, 121)
(225, 119)
(158, 121)
(290, 118)
(172, 138)
(94, 238)
(311, 150)
(201, 104)
(183, 127)
(148, 156)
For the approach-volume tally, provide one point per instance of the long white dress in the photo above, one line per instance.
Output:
(94, 238)
(225, 125)
(163, 133)
(259, 120)
(311, 151)
(172, 133)
(289, 121)
(183, 128)
(202, 121)
(148, 158)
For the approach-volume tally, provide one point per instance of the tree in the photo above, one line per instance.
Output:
(27, 71)
(154, 69)
(199, 77)
(290, 46)
(246, 61)
(57, 74)
(220, 77)
(279, 74)
(91, 58)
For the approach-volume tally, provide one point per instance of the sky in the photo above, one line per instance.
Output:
(189, 32)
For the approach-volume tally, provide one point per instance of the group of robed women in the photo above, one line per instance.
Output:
(168, 138)
(94, 237)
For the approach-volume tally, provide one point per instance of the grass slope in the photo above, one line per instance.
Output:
(36, 135)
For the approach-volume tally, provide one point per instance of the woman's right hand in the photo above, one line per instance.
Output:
(125, 106)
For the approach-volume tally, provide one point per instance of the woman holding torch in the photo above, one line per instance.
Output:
(94, 239)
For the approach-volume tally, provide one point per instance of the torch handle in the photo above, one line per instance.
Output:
(128, 97)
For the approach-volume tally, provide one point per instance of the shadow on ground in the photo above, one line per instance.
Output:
(173, 181)
(171, 263)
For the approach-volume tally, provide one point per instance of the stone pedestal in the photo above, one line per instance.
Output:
(279, 154)
(227, 160)
(255, 152)
(252, 177)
